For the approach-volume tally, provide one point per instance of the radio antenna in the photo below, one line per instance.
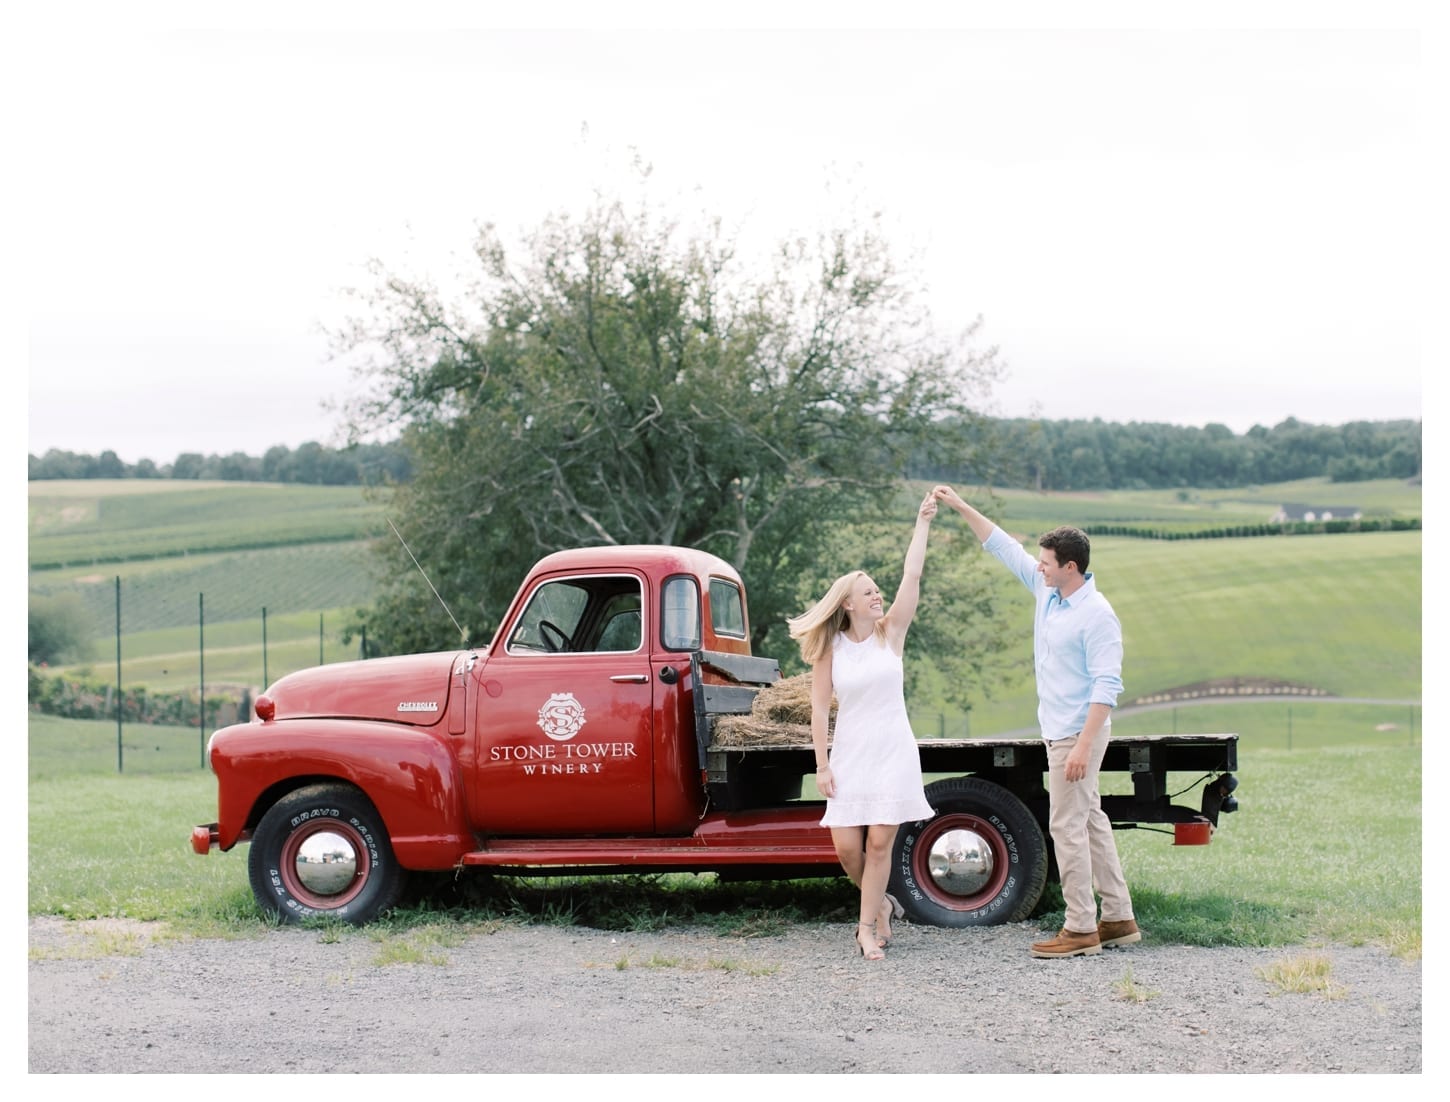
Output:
(462, 634)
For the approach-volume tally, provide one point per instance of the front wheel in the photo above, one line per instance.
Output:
(982, 860)
(323, 851)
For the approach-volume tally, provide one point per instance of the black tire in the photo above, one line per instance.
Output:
(335, 825)
(1002, 885)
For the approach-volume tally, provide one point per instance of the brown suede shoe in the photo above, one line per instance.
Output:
(1119, 933)
(1068, 944)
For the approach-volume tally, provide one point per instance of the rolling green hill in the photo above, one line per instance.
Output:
(160, 594)
(90, 523)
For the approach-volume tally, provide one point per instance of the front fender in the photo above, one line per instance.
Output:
(411, 775)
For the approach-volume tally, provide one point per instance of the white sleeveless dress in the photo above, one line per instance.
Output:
(874, 758)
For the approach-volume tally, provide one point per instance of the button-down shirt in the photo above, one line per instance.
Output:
(1077, 643)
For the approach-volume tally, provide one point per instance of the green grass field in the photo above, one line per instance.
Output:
(1326, 845)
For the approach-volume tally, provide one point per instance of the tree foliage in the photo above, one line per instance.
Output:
(1097, 455)
(60, 629)
(309, 464)
(628, 381)
(1037, 454)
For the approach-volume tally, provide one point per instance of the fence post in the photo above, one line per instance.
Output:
(120, 763)
(201, 666)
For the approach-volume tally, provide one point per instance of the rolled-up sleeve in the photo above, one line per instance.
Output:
(1104, 653)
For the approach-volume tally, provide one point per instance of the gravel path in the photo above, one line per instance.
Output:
(112, 997)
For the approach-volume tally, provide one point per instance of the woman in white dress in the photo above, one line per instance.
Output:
(871, 777)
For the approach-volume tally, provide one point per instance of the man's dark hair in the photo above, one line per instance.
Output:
(1069, 545)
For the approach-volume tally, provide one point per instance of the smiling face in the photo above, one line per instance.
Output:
(1059, 576)
(864, 603)
(1063, 560)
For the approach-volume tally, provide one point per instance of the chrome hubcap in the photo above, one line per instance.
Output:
(960, 862)
(326, 863)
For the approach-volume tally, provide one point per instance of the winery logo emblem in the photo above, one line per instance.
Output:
(561, 717)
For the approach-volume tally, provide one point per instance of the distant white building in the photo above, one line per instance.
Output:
(1291, 511)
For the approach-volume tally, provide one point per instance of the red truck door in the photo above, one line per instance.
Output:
(565, 716)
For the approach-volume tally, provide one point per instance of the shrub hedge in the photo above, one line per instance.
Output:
(1293, 528)
(88, 697)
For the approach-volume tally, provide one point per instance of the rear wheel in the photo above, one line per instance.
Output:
(323, 851)
(982, 860)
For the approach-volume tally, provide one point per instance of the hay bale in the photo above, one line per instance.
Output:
(787, 701)
(780, 716)
(750, 730)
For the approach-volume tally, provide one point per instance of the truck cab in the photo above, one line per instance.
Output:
(583, 721)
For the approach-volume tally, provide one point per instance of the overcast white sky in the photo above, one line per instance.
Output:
(1225, 223)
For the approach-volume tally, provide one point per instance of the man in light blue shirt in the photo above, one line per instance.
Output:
(1078, 653)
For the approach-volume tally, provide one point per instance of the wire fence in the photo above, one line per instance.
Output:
(204, 676)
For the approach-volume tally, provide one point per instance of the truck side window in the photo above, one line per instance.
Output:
(680, 607)
(727, 608)
(581, 615)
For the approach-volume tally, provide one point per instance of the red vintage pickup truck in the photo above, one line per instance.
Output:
(582, 739)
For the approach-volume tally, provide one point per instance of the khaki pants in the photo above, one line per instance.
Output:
(1082, 836)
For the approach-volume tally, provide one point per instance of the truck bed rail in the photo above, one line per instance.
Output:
(740, 775)
(743, 676)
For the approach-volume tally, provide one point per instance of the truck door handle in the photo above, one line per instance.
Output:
(637, 678)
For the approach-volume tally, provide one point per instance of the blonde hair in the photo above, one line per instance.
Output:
(816, 628)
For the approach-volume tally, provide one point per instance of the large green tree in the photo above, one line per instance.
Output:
(628, 381)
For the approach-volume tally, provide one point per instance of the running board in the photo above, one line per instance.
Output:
(770, 838)
(689, 856)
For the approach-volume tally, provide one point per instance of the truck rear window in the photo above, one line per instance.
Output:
(727, 608)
